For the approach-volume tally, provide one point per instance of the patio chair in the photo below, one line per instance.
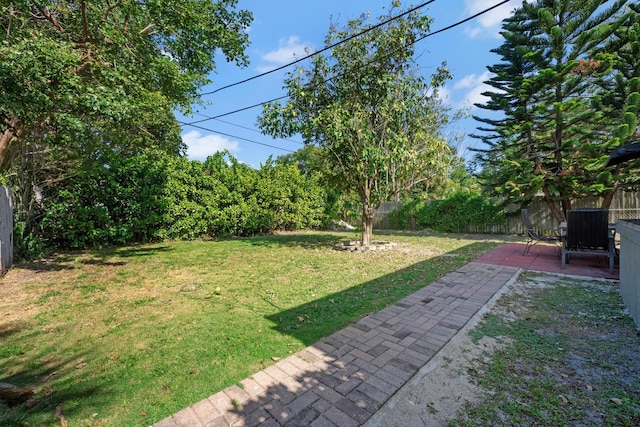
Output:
(534, 236)
(588, 232)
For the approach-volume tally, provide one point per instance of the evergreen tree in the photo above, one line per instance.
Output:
(620, 99)
(553, 138)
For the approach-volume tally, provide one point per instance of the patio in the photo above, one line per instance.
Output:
(545, 258)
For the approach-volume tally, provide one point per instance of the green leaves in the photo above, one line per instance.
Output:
(368, 112)
(553, 65)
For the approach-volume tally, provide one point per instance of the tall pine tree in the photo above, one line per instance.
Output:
(551, 141)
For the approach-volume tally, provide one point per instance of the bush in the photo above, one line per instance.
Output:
(156, 196)
(460, 212)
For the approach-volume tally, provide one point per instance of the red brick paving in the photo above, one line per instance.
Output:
(545, 258)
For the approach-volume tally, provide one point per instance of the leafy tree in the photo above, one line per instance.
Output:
(552, 139)
(157, 196)
(369, 110)
(80, 80)
(289, 199)
(78, 68)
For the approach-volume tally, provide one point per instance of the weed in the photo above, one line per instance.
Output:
(569, 352)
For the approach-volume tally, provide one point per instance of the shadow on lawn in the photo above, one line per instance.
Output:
(134, 251)
(305, 241)
(311, 321)
(42, 378)
(329, 390)
(99, 257)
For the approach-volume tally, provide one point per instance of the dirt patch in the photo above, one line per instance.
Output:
(443, 386)
(551, 350)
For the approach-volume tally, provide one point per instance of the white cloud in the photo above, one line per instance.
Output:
(199, 146)
(445, 95)
(488, 24)
(468, 91)
(288, 50)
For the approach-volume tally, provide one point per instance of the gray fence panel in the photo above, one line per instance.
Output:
(6, 229)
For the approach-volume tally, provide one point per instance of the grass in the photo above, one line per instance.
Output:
(569, 357)
(128, 336)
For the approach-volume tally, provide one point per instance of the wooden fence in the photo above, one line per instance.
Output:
(6, 229)
(623, 206)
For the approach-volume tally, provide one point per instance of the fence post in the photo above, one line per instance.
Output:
(6, 229)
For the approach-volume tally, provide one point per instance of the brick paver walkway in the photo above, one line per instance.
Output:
(343, 379)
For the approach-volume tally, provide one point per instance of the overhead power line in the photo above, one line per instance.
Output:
(464, 20)
(321, 50)
(331, 78)
(234, 136)
(249, 129)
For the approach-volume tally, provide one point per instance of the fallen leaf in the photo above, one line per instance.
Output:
(563, 399)
(31, 403)
(14, 394)
(300, 319)
(81, 365)
(143, 414)
(58, 414)
(616, 401)
(48, 377)
(275, 359)
(589, 387)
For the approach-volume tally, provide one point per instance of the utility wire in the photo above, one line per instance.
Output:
(237, 111)
(331, 78)
(321, 50)
(464, 20)
(235, 137)
(249, 129)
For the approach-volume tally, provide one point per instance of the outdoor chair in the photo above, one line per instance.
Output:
(588, 232)
(534, 236)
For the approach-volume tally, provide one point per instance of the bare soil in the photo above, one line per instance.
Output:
(588, 386)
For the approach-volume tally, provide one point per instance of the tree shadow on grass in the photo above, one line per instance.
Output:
(99, 257)
(311, 321)
(300, 240)
(323, 384)
(133, 251)
(49, 394)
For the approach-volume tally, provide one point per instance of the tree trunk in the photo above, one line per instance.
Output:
(608, 196)
(368, 214)
(557, 214)
(13, 131)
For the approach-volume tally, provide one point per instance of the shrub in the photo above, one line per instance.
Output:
(460, 212)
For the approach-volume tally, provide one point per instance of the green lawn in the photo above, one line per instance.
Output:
(128, 336)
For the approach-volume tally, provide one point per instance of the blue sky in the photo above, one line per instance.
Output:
(283, 29)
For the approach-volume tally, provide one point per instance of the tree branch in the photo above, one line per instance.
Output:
(48, 16)
(107, 11)
(85, 22)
